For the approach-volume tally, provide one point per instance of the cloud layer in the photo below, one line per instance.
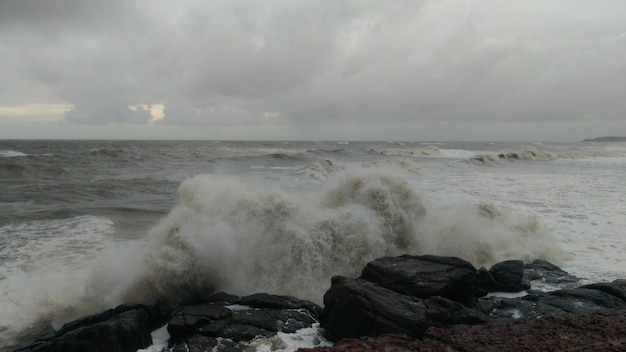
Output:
(364, 69)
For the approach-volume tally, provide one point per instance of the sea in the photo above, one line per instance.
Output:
(88, 225)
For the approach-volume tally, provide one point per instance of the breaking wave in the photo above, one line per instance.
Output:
(540, 155)
(240, 236)
(11, 154)
(230, 236)
(426, 151)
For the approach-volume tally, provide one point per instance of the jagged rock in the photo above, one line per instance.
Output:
(188, 319)
(356, 307)
(264, 300)
(123, 329)
(548, 273)
(228, 321)
(425, 276)
(506, 276)
(583, 299)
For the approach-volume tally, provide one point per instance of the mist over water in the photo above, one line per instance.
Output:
(280, 218)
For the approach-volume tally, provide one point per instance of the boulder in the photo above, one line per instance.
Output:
(425, 276)
(356, 307)
(506, 276)
(123, 329)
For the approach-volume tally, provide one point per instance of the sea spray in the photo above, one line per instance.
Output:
(227, 235)
(242, 235)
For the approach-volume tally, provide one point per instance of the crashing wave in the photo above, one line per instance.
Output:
(540, 156)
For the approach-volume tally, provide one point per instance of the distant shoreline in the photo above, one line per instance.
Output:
(606, 139)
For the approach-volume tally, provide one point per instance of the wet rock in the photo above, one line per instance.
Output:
(425, 276)
(506, 276)
(548, 273)
(124, 329)
(229, 322)
(537, 304)
(356, 307)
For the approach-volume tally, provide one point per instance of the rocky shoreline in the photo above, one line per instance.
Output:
(406, 303)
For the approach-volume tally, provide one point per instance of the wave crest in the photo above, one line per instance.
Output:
(227, 236)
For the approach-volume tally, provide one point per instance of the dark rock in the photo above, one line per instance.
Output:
(506, 276)
(356, 307)
(548, 273)
(599, 331)
(125, 328)
(264, 300)
(584, 299)
(253, 316)
(425, 276)
(188, 319)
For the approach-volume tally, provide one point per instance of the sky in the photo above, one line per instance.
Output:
(532, 70)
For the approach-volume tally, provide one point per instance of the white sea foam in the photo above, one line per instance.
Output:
(44, 270)
(160, 339)
(284, 342)
(538, 155)
(11, 154)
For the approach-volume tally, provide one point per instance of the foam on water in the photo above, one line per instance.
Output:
(539, 155)
(44, 267)
(11, 154)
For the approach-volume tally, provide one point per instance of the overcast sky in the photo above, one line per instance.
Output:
(323, 70)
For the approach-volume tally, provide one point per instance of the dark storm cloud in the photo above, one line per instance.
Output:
(253, 63)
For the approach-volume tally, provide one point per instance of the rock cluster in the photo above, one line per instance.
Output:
(406, 303)
(410, 294)
(221, 322)
(229, 323)
(599, 331)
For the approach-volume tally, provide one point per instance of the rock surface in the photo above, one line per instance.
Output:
(506, 276)
(599, 331)
(537, 304)
(125, 328)
(356, 307)
(425, 276)
(229, 323)
(429, 297)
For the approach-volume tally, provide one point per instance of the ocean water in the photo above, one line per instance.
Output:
(88, 225)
